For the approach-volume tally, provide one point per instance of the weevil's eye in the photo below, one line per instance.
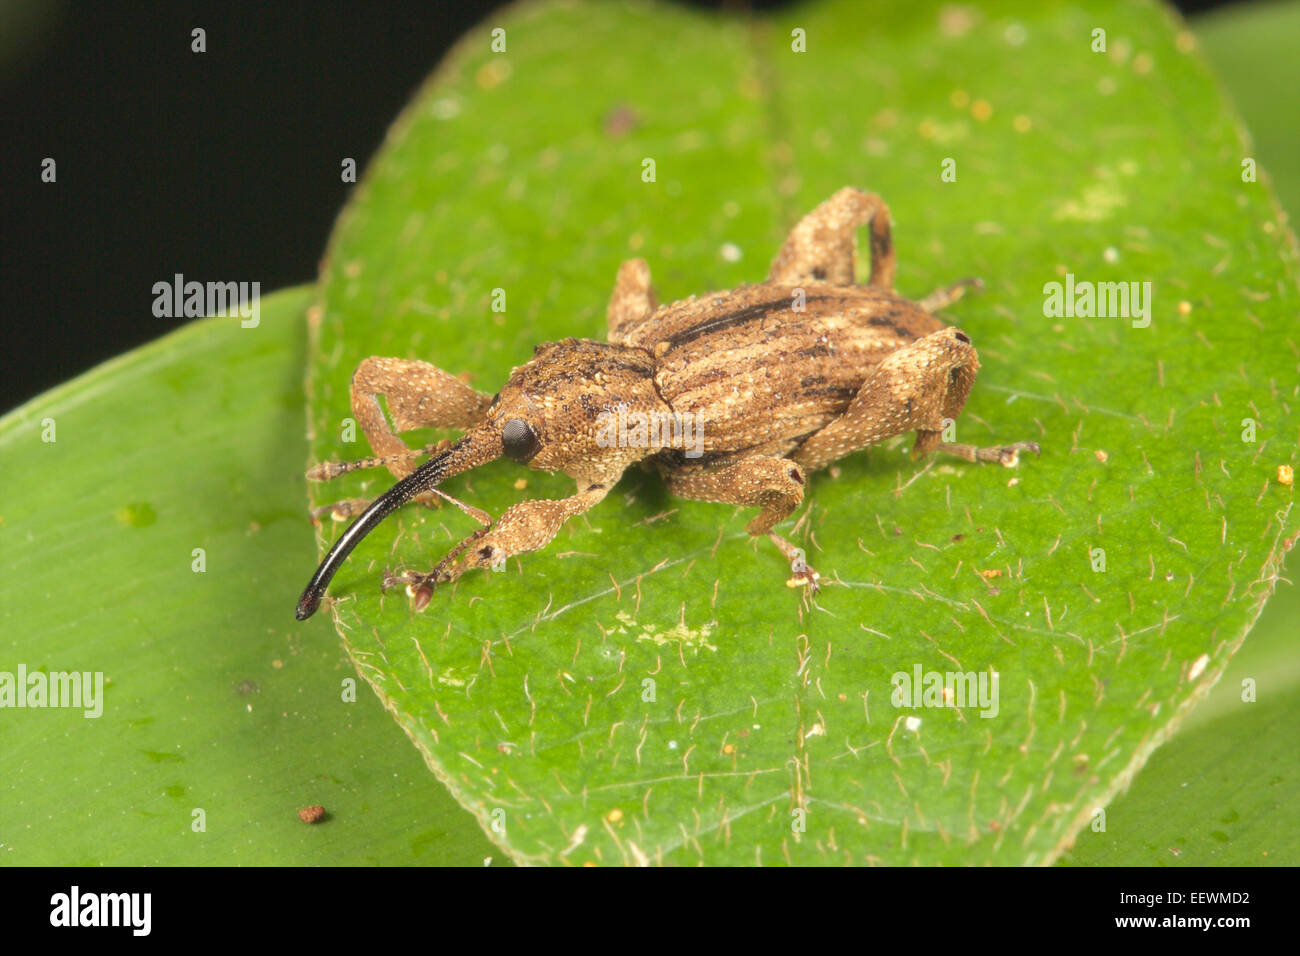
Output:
(519, 440)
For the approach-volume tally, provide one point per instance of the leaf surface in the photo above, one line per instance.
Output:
(151, 529)
(645, 689)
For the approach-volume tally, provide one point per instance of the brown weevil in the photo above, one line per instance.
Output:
(758, 386)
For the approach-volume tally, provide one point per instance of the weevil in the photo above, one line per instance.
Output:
(778, 380)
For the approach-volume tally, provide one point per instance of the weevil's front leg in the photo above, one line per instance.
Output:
(527, 526)
(418, 395)
(823, 246)
(775, 484)
(633, 300)
(327, 470)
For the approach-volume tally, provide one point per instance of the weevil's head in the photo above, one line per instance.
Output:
(552, 414)
(555, 412)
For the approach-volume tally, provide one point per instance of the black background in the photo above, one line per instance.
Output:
(220, 166)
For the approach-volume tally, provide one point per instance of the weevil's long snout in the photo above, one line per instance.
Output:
(478, 447)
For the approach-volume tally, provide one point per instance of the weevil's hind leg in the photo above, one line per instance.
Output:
(942, 298)
(914, 388)
(633, 301)
(823, 246)
(1005, 455)
(774, 484)
(526, 526)
(419, 395)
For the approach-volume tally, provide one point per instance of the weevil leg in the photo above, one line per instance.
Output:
(942, 298)
(823, 246)
(329, 470)
(526, 526)
(914, 388)
(341, 510)
(802, 574)
(1005, 455)
(774, 484)
(349, 507)
(418, 395)
(633, 300)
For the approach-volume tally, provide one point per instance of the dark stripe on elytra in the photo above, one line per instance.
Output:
(817, 351)
(730, 320)
(842, 392)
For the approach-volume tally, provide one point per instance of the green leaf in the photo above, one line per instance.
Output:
(214, 698)
(1252, 47)
(1214, 796)
(1215, 793)
(527, 692)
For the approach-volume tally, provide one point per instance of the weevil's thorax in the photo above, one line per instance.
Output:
(569, 393)
(765, 366)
